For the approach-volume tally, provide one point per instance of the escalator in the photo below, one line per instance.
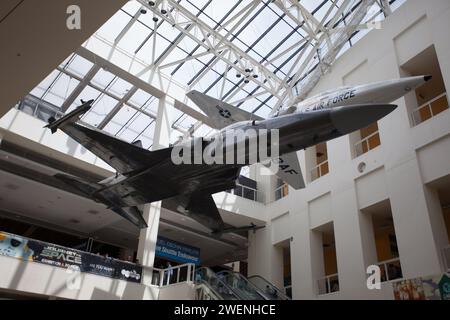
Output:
(240, 285)
(270, 291)
(209, 286)
(229, 285)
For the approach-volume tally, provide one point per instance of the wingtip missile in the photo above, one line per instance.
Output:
(71, 117)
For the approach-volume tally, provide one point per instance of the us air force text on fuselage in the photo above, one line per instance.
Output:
(326, 103)
(225, 310)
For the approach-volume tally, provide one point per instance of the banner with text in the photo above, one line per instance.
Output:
(58, 256)
(173, 250)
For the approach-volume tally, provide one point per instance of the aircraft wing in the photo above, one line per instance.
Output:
(119, 154)
(289, 170)
(203, 209)
(221, 113)
(131, 213)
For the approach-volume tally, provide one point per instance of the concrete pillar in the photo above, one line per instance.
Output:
(265, 259)
(368, 239)
(350, 249)
(414, 215)
(303, 281)
(152, 211)
(317, 259)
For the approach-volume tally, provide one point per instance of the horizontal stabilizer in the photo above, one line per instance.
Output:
(71, 117)
(252, 227)
(132, 214)
(221, 113)
(85, 187)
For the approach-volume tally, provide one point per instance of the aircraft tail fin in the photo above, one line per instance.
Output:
(289, 170)
(221, 113)
(71, 117)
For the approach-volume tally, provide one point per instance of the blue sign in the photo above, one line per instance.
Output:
(176, 251)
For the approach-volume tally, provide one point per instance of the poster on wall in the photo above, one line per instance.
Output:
(410, 289)
(436, 287)
(173, 250)
(58, 256)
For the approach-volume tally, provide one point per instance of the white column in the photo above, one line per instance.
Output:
(418, 222)
(152, 211)
(303, 252)
(348, 233)
(265, 259)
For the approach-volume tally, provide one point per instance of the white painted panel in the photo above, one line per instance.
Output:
(371, 188)
(320, 211)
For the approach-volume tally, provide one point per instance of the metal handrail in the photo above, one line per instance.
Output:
(365, 140)
(209, 278)
(385, 265)
(163, 277)
(328, 283)
(446, 257)
(286, 288)
(282, 193)
(255, 192)
(417, 121)
(280, 295)
(244, 292)
(318, 166)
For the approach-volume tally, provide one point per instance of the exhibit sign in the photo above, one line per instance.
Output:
(62, 257)
(175, 251)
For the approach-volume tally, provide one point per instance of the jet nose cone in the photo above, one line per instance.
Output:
(351, 118)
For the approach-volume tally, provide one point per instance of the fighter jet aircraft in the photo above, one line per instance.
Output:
(146, 176)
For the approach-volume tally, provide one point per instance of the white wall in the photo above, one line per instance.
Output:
(51, 281)
(397, 170)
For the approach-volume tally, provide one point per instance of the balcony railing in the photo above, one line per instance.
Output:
(429, 109)
(319, 170)
(288, 291)
(390, 269)
(329, 284)
(164, 277)
(368, 143)
(39, 108)
(446, 256)
(246, 192)
(281, 192)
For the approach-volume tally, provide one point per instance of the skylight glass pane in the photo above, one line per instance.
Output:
(102, 78)
(61, 89)
(119, 87)
(42, 87)
(112, 28)
(79, 66)
(140, 98)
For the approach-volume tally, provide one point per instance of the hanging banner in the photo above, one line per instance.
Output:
(58, 256)
(173, 250)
